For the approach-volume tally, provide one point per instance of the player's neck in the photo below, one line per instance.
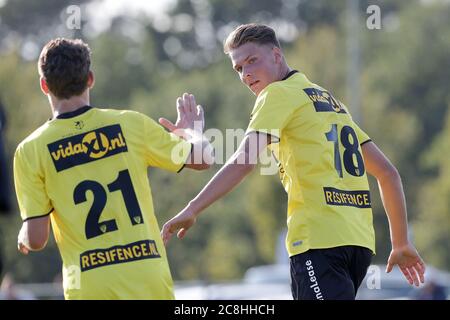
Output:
(284, 71)
(68, 105)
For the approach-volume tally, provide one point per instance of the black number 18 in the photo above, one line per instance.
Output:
(351, 151)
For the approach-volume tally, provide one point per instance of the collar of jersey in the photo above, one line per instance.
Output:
(289, 74)
(75, 113)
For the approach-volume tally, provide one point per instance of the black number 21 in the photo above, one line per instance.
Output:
(351, 151)
(93, 227)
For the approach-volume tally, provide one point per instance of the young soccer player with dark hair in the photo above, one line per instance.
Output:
(85, 171)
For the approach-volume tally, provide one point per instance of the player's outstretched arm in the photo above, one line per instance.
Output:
(403, 253)
(33, 235)
(229, 176)
(189, 126)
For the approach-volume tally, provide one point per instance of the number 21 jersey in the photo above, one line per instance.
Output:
(88, 170)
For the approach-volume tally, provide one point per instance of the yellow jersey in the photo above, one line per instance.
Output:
(88, 170)
(321, 166)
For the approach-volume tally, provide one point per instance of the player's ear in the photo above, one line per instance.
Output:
(91, 80)
(278, 55)
(44, 86)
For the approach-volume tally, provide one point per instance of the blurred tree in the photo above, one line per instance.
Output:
(5, 193)
(122, 66)
(26, 109)
(405, 99)
(24, 19)
(199, 27)
(433, 224)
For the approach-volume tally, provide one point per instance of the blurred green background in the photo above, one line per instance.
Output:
(395, 80)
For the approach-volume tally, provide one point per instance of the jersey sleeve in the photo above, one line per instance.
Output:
(163, 149)
(270, 114)
(30, 186)
(362, 136)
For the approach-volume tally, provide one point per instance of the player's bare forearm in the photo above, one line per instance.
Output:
(228, 177)
(403, 252)
(391, 191)
(392, 195)
(232, 173)
(33, 235)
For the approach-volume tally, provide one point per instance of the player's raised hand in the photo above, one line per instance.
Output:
(190, 118)
(409, 262)
(179, 224)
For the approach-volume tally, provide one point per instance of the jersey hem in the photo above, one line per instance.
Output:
(291, 254)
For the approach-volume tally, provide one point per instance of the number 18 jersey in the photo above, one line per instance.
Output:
(321, 164)
(88, 170)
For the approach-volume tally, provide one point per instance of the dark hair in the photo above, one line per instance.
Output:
(252, 32)
(65, 66)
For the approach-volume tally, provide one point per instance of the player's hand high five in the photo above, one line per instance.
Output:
(190, 119)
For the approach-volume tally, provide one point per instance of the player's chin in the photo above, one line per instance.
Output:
(255, 90)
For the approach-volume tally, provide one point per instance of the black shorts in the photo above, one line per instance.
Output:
(329, 274)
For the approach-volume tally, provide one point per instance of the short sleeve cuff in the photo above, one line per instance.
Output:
(187, 158)
(274, 134)
(37, 216)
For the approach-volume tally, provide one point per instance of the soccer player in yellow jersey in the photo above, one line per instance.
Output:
(85, 171)
(324, 157)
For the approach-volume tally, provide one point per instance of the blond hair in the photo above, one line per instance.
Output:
(252, 32)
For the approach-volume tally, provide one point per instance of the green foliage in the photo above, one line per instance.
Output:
(406, 99)
(434, 211)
